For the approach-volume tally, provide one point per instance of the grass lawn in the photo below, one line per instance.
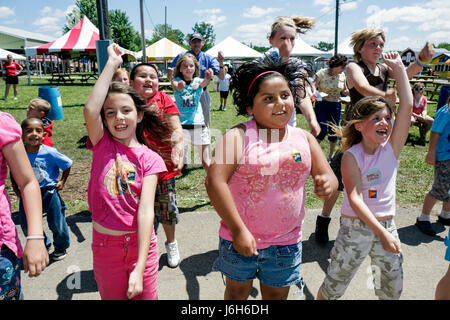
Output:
(414, 176)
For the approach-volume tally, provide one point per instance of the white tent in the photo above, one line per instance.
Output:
(163, 49)
(302, 49)
(344, 48)
(233, 49)
(4, 53)
(11, 38)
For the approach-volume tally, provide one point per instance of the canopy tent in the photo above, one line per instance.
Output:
(16, 39)
(233, 49)
(163, 49)
(80, 39)
(302, 49)
(344, 48)
(4, 53)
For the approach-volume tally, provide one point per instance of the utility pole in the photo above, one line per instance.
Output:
(144, 54)
(105, 37)
(165, 22)
(336, 28)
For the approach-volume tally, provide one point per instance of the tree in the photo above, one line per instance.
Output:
(325, 45)
(207, 31)
(122, 32)
(174, 35)
(444, 45)
(82, 8)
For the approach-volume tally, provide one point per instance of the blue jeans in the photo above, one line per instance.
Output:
(53, 204)
(10, 265)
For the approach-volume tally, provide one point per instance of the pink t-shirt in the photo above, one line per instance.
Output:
(10, 131)
(268, 187)
(418, 108)
(378, 178)
(117, 174)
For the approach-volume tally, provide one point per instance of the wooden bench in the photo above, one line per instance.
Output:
(59, 78)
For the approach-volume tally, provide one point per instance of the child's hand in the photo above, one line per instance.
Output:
(322, 187)
(393, 61)
(244, 243)
(35, 257)
(60, 185)
(389, 243)
(135, 284)
(430, 158)
(115, 53)
(209, 74)
(180, 85)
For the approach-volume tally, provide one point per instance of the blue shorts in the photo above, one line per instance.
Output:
(275, 266)
(10, 265)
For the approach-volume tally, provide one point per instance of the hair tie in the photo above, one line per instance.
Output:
(259, 75)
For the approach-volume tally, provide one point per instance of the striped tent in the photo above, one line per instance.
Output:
(163, 49)
(81, 38)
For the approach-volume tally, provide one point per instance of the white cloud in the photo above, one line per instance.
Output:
(257, 12)
(255, 33)
(327, 3)
(347, 6)
(212, 16)
(51, 20)
(6, 13)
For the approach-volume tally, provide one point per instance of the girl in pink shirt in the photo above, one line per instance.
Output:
(419, 117)
(256, 182)
(35, 256)
(371, 146)
(121, 190)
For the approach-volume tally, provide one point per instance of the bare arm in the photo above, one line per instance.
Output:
(94, 104)
(325, 181)
(146, 216)
(173, 121)
(208, 76)
(226, 157)
(35, 257)
(431, 154)
(63, 179)
(403, 118)
(351, 177)
(221, 58)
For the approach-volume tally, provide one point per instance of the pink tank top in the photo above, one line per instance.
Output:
(378, 178)
(268, 187)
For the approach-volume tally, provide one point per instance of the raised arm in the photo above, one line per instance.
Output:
(226, 156)
(208, 76)
(403, 118)
(95, 101)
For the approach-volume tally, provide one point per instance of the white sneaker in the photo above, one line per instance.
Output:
(173, 256)
(15, 98)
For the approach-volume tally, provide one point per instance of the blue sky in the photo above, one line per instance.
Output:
(407, 23)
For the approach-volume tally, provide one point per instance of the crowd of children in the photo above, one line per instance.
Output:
(255, 179)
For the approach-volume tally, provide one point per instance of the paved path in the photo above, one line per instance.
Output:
(197, 234)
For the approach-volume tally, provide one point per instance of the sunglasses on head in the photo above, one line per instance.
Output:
(418, 89)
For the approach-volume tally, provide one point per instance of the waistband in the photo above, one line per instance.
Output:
(356, 222)
(193, 126)
(106, 238)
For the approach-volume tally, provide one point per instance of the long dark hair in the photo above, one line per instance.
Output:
(151, 121)
(293, 71)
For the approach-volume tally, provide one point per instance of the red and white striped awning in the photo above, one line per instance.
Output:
(81, 38)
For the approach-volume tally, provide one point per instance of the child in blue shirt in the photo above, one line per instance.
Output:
(47, 163)
(188, 88)
(439, 156)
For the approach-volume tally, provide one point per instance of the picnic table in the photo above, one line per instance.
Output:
(59, 78)
(432, 85)
(166, 86)
(85, 77)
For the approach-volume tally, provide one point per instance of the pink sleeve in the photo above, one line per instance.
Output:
(10, 130)
(154, 164)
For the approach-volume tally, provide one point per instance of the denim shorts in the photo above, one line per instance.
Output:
(275, 266)
(10, 265)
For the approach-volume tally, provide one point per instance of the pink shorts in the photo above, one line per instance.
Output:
(115, 258)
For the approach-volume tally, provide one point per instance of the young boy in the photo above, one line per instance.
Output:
(439, 156)
(46, 163)
(40, 108)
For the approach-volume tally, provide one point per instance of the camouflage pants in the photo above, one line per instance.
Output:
(354, 242)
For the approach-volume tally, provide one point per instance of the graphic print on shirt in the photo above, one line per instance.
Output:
(40, 170)
(189, 95)
(119, 177)
(373, 178)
